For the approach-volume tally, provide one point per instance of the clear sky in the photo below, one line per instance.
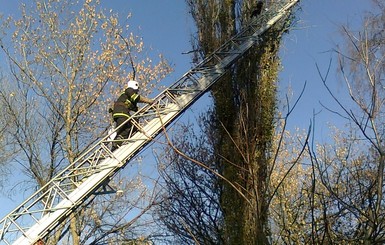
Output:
(317, 33)
(166, 27)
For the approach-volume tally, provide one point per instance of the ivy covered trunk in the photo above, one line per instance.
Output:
(245, 102)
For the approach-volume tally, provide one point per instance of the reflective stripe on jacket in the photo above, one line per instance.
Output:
(119, 114)
(126, 102)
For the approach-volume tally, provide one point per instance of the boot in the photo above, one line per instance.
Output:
(117, 142)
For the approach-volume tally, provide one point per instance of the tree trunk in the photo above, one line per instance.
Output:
(244, 103)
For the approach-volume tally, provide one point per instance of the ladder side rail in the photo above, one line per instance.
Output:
(63, 209)
(32, 205)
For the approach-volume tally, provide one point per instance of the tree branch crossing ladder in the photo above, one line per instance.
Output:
(51, 205)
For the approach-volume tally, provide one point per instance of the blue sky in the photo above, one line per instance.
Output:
(166, 27)
(310, 43)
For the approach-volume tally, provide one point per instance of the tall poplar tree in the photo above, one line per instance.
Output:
(240, 130)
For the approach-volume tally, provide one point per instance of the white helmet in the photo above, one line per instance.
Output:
(133, 84)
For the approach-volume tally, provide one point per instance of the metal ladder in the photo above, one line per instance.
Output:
(51, 205)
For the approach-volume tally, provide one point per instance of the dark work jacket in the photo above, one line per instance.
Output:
(126, 102)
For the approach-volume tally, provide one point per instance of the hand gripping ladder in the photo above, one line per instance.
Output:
(51, 205)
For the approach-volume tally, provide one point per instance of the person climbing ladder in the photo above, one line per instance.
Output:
(126, 102)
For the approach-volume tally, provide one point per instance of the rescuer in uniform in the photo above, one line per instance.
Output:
(126, 102)
(257, 9)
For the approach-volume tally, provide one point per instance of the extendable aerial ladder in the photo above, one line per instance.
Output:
(48, 207)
